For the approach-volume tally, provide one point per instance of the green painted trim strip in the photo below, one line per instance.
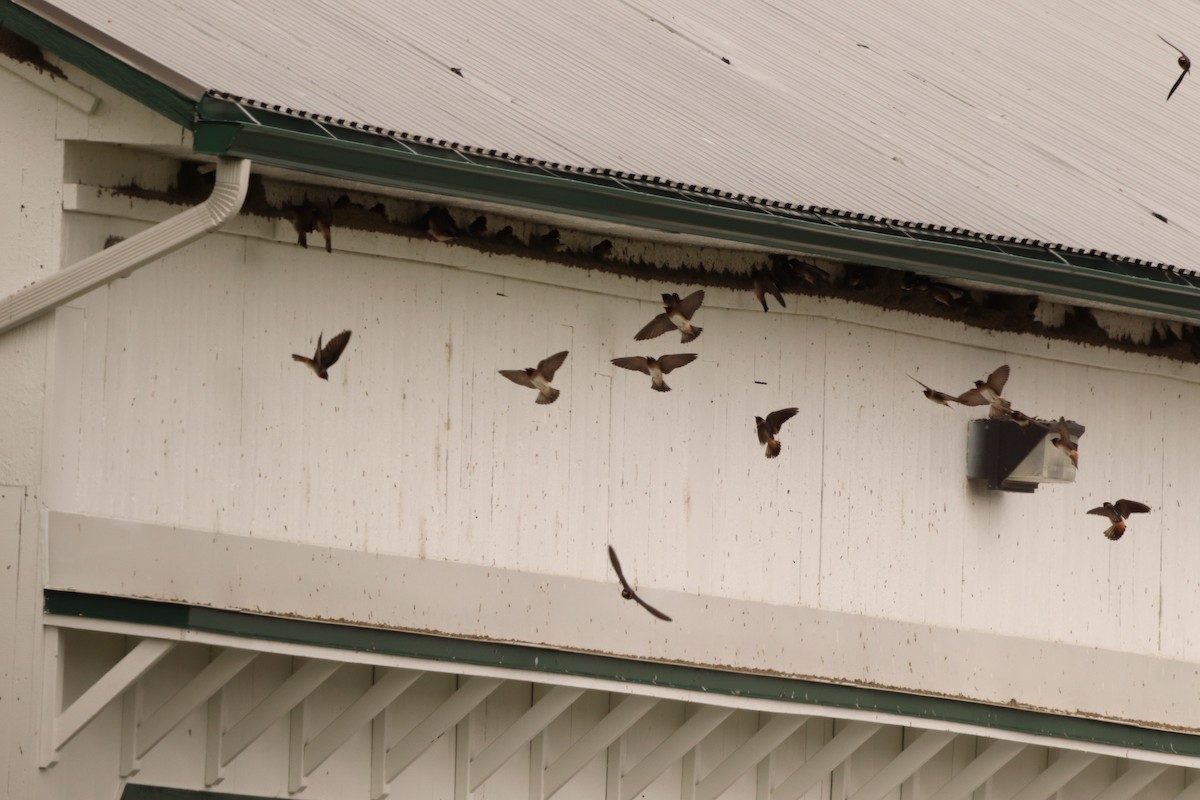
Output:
(136, 792)
(555, 662)
(389, 166)
(116, 73)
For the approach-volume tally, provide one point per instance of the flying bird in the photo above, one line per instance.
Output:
(938, 397)
(627, 591)
(677, 314)
(540, 377)
(325, 357)
(765, 285)
(1063, 442)
(1185, 64)
(656, 367)
(987, 393)
(308, 218)
(1117, 513)
(768, 429)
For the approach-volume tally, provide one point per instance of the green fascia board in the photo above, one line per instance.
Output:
(458, 178)
(126, 79)
(617, 670)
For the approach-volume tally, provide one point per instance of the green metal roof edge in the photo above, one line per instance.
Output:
(620, 670)
(126, 79)
(391, 166)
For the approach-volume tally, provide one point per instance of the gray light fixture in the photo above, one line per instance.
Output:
(1012, 458)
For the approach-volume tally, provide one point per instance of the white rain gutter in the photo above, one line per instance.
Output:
(233, 178)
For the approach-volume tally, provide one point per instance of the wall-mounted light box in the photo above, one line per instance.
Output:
(1012, 458)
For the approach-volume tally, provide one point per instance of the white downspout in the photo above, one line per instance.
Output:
(233, 177)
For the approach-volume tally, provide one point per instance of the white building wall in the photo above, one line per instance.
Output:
(190, 412)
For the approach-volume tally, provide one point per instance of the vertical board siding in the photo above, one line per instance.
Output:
(191, 412)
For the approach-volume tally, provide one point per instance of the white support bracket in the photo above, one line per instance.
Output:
(199, 689)
(1132, 781)
(596, 740)
(904, 765)
(973, 775)
(521, 732)
(1055, 776)
(116, 680)
(299, 685)
(673, 748)
(753, 751)
(825, 760)
(442, 719)
(358, 714)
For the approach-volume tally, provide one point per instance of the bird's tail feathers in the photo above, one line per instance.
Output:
(660, 387)
(692, 334)
(1115, 532)
(544, 398)
(301, 359)
(774, 448)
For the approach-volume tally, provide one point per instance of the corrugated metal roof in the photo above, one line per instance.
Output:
(1016, 118)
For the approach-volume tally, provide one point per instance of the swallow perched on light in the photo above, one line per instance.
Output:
(1185, 64)
(987, 393)
(1063, 442)
(478, 227)
(627, 591)
(439, 225)
(1117, 513)
(765, 285)
(325, 357)
(603, 249)
(308, 218)
(655, 367)
(677, 314)
(540, 377)
(768, 429)
(938, 397)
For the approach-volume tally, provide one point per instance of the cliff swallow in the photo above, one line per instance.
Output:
(506, 236)
(439, 225)
(856, 277)
(765, 285)
(603, 249)
(1024, 420)
(948, 296)
(655, 367)
(1063, 442)
(627, 591)
(677, 314)
(478, 227)
(308, 218)
(938, 397)
(811, 274)
(1185, 64)
(550, 240)
(539, 378)
(325, 357)
(912, 282)
(1117, 513)
(768, 429)
(987, 393)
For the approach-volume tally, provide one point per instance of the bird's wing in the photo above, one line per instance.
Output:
(649, 607)
(973, 397)
(616, 565)
(1064, 433)
(1106, 512)
(690, 304)
(550, 364)
(1127, 507)
(636, 363)
(1176, 48)
(655, 327)
(1178, 81)
(776, 419)
(332, 350)
(518, 376)
(925, 385)
(674, 360)
(997, 379)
